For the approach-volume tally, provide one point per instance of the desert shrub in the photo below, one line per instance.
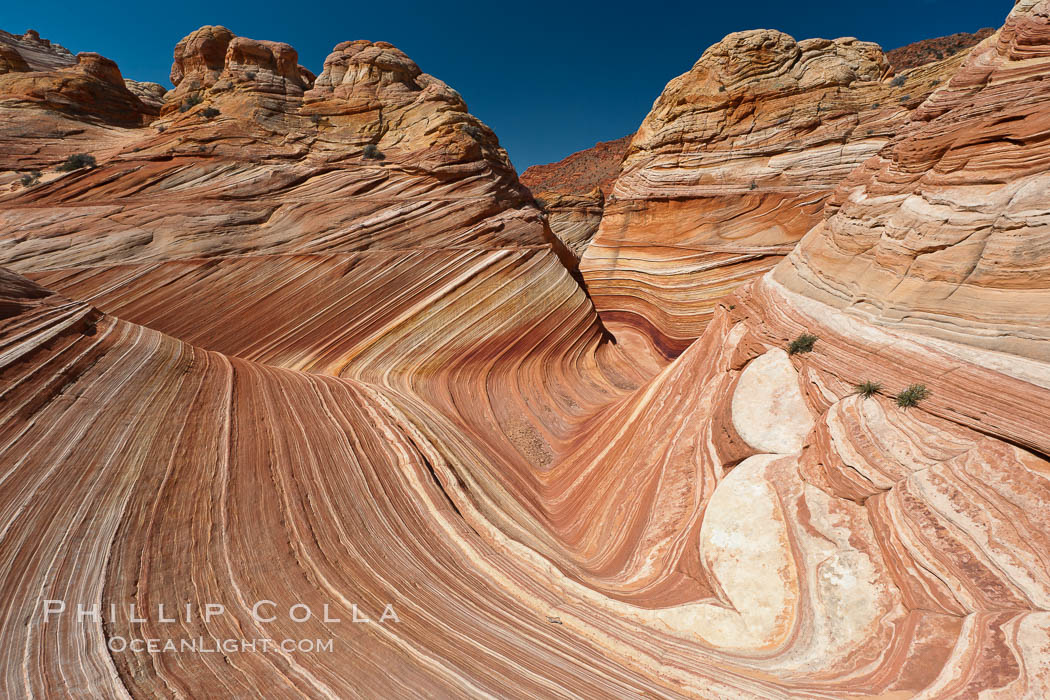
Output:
(76, 162)
(899, 81)
(250, 75)
(540, 203)
(911, 396)
(31, 179)
(474, 132)
(190, 102)
(161, 129)
(210, 112)
(801, 344)
(905, 99)
(868, 389)
(754, 185)
(372, 152)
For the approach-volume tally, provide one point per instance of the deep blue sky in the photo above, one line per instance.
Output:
(550, 78)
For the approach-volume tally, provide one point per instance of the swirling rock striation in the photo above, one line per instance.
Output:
(731, 167)
(385, 400)
(946, 232)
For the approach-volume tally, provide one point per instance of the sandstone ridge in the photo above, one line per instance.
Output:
(247, 358)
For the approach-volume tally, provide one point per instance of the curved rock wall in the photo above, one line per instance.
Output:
(946, 233)
(732, 167)
(389, 389)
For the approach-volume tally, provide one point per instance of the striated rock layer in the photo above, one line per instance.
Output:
(390, 391)
(947, 231)
(731, 167)
(29, 52)
(573, 218)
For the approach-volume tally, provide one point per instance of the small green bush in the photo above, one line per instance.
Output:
(801, 344)
(868, 389)
(210, 112)
(190, 102)
(910, 397)
(76, 162)
(31, 179)
(371, 152)
(899, 81)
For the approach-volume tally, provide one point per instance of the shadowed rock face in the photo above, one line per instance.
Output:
(573, 218)
(731, 168)
(277, 370)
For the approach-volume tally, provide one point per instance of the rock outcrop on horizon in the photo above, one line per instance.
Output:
(572, 191)
(254, 156)
(247, 359)
(29, 52)
(581, 172)
(930, 50)
(731, 167)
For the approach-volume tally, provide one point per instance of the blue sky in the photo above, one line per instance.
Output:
(550, 78)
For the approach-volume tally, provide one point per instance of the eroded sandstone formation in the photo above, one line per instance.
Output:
(574, 218)
(29, 52)
(388, 388)
(946, 232)
(731, 167)
(253, 156)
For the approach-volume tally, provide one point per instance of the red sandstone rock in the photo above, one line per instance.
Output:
(731, 168)
(200, 58)
(572, 191)
(280, 371)
(931, 50)
(36, 53)
(580, 172)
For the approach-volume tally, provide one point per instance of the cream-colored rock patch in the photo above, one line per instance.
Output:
(744, 542)
(769, 412)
